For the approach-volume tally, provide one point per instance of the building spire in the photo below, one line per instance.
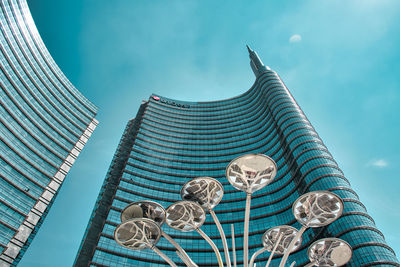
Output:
(255, 62)
(249, 49)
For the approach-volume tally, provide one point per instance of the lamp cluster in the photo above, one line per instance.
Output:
(141, 221)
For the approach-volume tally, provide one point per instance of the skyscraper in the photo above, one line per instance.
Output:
(170, 142)
(44, 124)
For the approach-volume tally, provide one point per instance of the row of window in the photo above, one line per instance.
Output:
(30, 105)
(43, 64)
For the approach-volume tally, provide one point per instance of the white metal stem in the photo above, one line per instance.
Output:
(233, 245)
(223, 238)
(258, 252)
(212, 244)
(311, 264)
(293, 263)
(165, 257)
(182, 257)
(246, 231)
(274, 249)
(186, 259)
(291, 245)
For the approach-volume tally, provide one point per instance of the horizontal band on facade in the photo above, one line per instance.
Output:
(8, 226)
(273, 92)
(249, 131)
(17, 187)
(166, 110)
(226, 182)
(198, 106)
(27, 59)
(45, 59)
(29, 88)
(180, 124)
(233, 191)
(39, 154)
(392, 263)
(21, 173)
(361, 227)
(197, 161)
(11, 207)
(33, 122)
(18, 134)
(39, 114)
(300, 121)
(373, 244)
(24, 158)
(255, 137)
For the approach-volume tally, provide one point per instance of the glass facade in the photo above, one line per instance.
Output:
(44, 124)
(170, 142)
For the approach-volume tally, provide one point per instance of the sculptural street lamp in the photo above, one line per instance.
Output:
(277, 240)
(314, 209)
(155, 212)
(187, 216)
(141, 221)
(329, 252)
(139, 234)
(207, 192)
(250, 173)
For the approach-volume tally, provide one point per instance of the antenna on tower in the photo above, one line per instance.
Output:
(255, 62)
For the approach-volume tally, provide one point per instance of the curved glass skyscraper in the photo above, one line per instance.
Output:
(170, 142)
(44, 124)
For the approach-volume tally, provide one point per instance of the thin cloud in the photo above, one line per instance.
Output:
(295, 38)
(379, 163)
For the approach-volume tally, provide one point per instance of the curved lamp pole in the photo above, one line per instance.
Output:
(207, 192)
(250, 173)
(270, 240)
(138, 234)
(314, 209)
(154, 211)
(276, 240)
(187, 216)
(329, 252)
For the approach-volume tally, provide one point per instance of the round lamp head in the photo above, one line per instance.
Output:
(205, 191)
(185, 216)
(251, 172)
(329, 252)
(271, 236)
(137, 234)
(317, 208)
(144, 209)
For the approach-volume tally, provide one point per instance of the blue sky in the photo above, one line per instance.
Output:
(340, 60)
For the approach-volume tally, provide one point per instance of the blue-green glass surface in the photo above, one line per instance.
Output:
(173, 141)
(42, 117)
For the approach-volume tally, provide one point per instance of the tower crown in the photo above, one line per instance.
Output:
(255, 63)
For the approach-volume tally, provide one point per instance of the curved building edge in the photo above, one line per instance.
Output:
(45, 123)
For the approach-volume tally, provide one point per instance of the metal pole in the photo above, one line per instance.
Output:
(258, 252)
(187, 260)
(291, 245)
(214, 247)
(246, 231)
(274, 249)
(233, 245)
(311, 264)
(181, 257)
(223, 237)
(165, 257)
